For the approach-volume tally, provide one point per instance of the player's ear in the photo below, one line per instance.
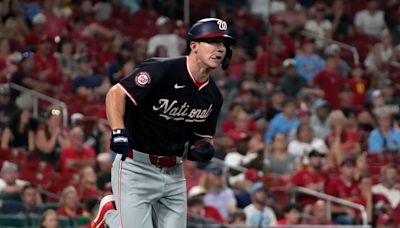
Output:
(194, 46)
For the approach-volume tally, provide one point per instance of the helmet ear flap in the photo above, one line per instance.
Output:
(227, 59)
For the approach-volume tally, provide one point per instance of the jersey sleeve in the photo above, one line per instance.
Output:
(145, 77)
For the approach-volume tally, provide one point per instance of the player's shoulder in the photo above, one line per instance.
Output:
(164, 62)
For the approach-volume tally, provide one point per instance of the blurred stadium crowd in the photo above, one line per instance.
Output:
(300, 107)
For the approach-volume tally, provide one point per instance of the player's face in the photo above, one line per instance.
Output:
(211, 52)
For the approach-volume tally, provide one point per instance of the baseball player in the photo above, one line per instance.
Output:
(164, 105)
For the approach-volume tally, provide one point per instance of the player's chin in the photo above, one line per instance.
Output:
(214, 64)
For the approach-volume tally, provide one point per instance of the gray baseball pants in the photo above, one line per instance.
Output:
(145, 195)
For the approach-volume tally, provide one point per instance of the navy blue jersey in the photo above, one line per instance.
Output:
(167, 107)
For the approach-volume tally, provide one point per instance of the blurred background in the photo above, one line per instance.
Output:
(308, 135)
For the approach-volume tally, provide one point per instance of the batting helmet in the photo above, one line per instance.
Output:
(212, 28)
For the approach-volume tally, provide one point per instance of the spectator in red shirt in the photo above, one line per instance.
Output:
(69, 203)
(243, 127)
(292, 214)
(54, 24)
(294, 17)
(46, 65)
(77, 156)
(345, 187)
(330, 81)
(310, 176)
(358, 85)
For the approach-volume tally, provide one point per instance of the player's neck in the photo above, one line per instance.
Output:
(199, 71)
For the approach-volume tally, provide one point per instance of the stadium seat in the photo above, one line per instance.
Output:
(10, 196)
(13, 221)
(64, 222)
(81, 221)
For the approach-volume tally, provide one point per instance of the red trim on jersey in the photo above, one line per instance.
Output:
(199, 85)
(130, 95)
(210, 35)
(119, 194)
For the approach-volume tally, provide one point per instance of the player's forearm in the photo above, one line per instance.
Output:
(115, 107)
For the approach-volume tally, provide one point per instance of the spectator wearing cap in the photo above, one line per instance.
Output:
(20, 132)
(330, 81)
(291, 83)
(319, 119)
(371, 20)
(76, 156)
(258, 213)
(384, 139)
(358, 85)
(308, 62)
(7, 107)
(218, 195)
(318, 25)
(291, 215)
(304, 143)
(283, 122)
(9, 182)
(196, 207)
(87, 83)
(344, 186)
(51, 137)
(310, 176)
(174, 44)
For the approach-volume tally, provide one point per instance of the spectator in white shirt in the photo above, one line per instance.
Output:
(305, 143)
(319, 25)
(165, 37)
(387, 188)
(371, 20)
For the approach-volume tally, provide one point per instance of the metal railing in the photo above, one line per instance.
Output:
(352, 49)
(331, 199)
(39, 96)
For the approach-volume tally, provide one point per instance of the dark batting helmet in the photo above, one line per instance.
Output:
(212, 28)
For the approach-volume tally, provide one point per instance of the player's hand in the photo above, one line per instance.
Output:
(201, 151)
(120, 142)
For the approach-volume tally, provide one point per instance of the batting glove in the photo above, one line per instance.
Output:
(201, 151)
(120, 142)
